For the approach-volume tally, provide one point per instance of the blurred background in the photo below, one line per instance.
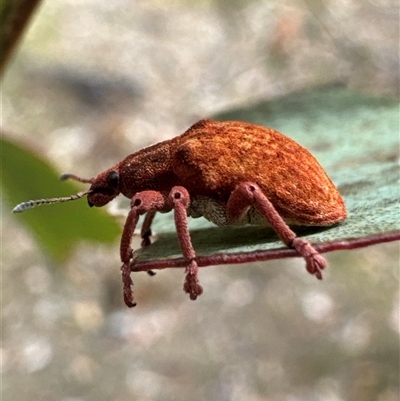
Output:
(95, 80)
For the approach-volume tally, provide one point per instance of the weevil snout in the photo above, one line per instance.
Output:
(104, 189)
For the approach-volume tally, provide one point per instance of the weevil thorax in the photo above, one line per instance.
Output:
(148, 169)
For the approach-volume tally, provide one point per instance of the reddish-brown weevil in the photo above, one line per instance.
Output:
(232, 173)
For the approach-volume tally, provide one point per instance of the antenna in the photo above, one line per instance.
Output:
(68, 176)
(33, 203)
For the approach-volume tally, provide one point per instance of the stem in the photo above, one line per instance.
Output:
(256, 256)
(14, 18)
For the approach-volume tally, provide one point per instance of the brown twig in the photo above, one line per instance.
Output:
(257, 256)
(14, 17)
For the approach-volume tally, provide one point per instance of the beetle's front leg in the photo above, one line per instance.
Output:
(180, 199)
(142, 202)
(249, 194)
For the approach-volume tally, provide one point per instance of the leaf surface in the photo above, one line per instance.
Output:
(356, 140)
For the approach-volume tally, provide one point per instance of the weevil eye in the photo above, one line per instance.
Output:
(113, 180)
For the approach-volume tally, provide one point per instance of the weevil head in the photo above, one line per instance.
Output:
(104, 188)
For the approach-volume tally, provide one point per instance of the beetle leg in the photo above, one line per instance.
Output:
(145, 233)
(249, 194)
(142, 202)
(180, 199)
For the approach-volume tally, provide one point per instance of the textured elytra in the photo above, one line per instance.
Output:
(212, 158)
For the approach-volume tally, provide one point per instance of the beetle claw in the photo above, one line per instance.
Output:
(127, 285)
(315, 262)
(191, 285)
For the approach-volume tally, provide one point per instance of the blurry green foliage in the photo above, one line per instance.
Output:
(26, 176)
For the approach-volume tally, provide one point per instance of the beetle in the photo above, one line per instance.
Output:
(231, 173)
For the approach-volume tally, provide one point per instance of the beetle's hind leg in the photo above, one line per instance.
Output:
(248, 194)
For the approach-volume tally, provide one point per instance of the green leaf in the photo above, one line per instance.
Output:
(58, 227)
(356, 140)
